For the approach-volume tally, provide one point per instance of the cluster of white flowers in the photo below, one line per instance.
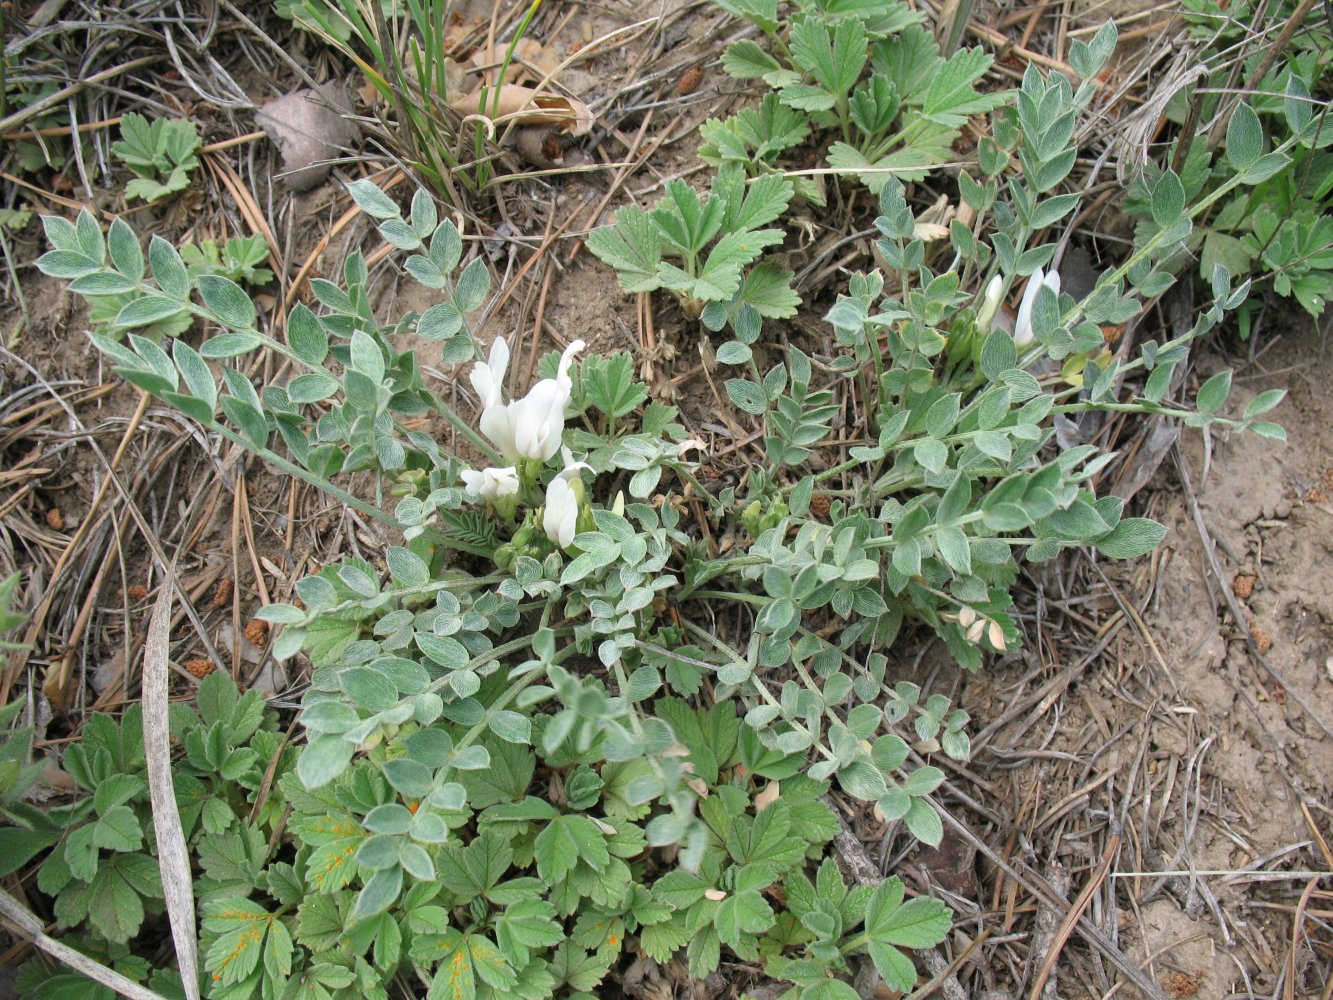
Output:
(528, 430)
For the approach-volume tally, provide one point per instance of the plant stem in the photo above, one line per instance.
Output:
(760, 687)
(464, 428)
(291, 468)
(727, 595)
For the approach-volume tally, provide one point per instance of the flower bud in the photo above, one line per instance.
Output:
(990, 303)
(560, 518)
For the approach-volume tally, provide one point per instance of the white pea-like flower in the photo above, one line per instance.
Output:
(1023, 334)
(532, 427)
(572, 468)
(538, 420)
(488, 378)
(491, 484)
(567, 359)
(990, 303)
(560, 519)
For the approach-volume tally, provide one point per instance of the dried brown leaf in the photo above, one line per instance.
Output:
(525, 106)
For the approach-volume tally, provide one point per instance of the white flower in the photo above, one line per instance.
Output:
(527, 428)
(990, 303)
(491, 484)
(562, 512)
(567, 359)
(497, 423)
(572, 468)
(1023, 324)
(488, 378)
(537, 421)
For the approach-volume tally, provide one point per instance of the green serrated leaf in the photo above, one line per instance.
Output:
(951, 97)
(632, 246)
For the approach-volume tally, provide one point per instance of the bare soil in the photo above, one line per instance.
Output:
(1140, 748)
